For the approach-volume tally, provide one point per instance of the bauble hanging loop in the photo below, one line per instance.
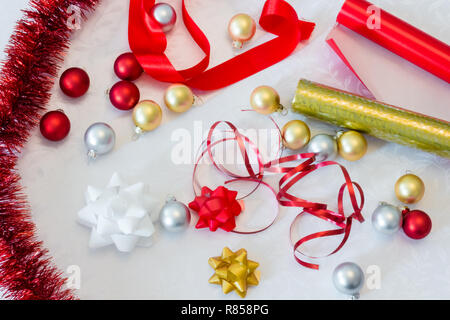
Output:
(164, 15)
(266, 100)
(99, 139)
(241, 29)
(147, 116)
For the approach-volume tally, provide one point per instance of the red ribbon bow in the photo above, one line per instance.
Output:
(216, 209)
(148, 43)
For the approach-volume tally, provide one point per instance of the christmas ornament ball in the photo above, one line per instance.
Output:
(164, 14)
(99, 139)
(54, 125)
(124, 95)
(127, 67)
(174, 216)
(296, 134)
(241, 28)
(147, 115)
(416, 224)
(352, 145)
(74, 82)
(265, 100)
(409, 188)
(179, 98)
(387, 219)
(348, 278)
(324, 146)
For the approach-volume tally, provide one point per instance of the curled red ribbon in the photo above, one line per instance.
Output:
(148, 43)
(291, 175)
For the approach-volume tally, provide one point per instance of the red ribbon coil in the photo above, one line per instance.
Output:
(291, 175)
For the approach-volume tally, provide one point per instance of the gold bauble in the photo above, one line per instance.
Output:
(295, 134)
(179, 98)
(147, 115)
(265, 100)
(241, 29)
(352, 145)
(409, 188)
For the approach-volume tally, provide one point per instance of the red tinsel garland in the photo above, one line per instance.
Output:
(34, 53)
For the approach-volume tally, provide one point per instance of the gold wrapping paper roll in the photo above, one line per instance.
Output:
(375, 118)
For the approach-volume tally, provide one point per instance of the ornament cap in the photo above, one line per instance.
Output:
(138, 132)
(170, 198)
(339, 133)
(92, 155)
(355, 296)
(198, 101)
(238, 44)
(282, 110)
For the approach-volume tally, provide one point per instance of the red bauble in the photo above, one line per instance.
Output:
(127, 67)
(74, 82)
(416, 224)
(124, 95)
(55, 125)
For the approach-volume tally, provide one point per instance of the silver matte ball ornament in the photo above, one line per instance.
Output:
(165, 15)
(348, 278)
(387, 219)
(324, 146)
(99, 139)
(174, 216)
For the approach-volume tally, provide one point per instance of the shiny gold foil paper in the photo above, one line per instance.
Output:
(375, 118)
(233, 271)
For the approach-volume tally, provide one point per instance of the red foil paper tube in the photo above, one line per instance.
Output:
(397, 36)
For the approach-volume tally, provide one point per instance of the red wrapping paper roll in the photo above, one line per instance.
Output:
(397, 36)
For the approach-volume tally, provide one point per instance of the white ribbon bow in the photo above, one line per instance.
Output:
(119, 214)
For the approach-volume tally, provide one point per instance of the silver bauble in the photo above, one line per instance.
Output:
(324, 146)
(348, 278)
(174, 216)
(387, 218)
(165, 16)
(99, 139)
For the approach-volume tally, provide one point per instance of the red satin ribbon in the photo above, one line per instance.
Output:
(291, 176)
(148, 43)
